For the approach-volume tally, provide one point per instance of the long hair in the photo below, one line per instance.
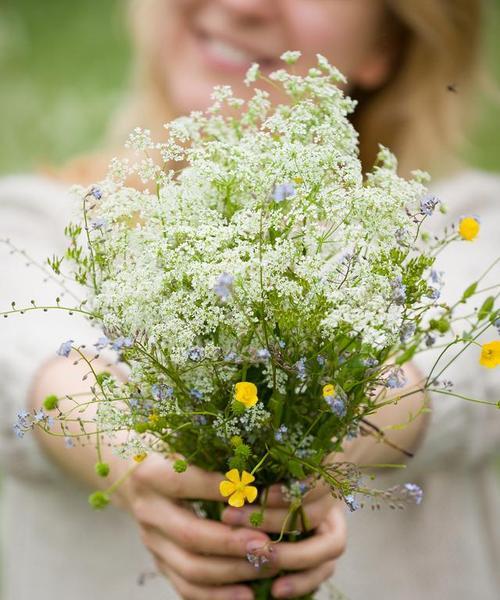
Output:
(421, 112)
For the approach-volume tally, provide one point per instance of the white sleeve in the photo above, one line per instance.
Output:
(33, 212)
(462, 433)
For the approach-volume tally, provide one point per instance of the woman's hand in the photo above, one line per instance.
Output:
(312, 560)
(203, 559)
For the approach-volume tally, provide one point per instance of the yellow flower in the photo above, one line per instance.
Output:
(154, 418)
(468, 228)
(237, 488)
(490, 355)
(246, 393)
(328, 390)
(140, 457)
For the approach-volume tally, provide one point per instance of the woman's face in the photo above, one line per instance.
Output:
(202, 43)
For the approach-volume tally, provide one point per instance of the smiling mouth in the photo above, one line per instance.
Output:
(223, 53)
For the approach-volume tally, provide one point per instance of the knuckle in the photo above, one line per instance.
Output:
(190, 571)
(188, 537)
(140, 510)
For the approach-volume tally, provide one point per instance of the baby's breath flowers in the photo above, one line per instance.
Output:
(237, 488)
(265, 297)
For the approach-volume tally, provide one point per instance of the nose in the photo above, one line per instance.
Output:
(251, 8)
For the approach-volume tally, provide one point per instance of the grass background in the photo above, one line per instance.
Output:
(64, 68)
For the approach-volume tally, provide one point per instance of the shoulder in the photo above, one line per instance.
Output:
(470, 191)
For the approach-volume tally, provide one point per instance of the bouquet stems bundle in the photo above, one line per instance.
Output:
(264, 293)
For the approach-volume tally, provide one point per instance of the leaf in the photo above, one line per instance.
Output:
(406, 356)
(486, 308)
(470, 291)
(296, 469)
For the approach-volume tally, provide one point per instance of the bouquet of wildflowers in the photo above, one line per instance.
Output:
(264, 293)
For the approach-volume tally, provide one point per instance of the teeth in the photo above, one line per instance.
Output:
(229, 52)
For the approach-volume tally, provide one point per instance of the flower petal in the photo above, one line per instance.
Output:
(233, 475)
(237, 499)
(250, 493)
(226, 488)
(246, 478)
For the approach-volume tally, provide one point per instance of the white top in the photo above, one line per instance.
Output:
(448, 547)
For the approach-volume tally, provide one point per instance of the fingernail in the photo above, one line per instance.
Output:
(233, 516)
(283, 589)
(254, 545)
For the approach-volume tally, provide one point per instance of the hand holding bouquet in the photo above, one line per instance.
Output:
(265, 295)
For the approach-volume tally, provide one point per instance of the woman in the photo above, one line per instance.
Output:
(184, 48)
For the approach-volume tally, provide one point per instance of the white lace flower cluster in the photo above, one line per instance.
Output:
(270, 230)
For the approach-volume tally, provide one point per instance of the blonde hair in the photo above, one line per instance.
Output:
(420, 112)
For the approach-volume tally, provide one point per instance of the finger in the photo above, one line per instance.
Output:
(326, 544)
(274, 518)
(202, 536)
(293, 586)
(202, 570)
(158, 474)
(189, 591)
(276, 495)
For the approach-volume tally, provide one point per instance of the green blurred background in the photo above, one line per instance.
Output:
(64, 68)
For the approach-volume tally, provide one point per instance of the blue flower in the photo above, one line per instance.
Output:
(19, 432)
(39, 416)
(96, 192)
(196, 354)
(414, 491)
(396, 379)
(283, 191)
(398, 291)
(98, 223)
(430, 340)
(200, 419)
(428, 204)
(337, 405)
(102, 342)
(160, 391)
(231, 357)
(224, 286)
(352, 502)
(65, 348)
(407, 330)
(263, 354)
(122, 342)
(69, 442)
(280, 433)
(300, 366)
(321, 360)
(196, 394)
(370, 362)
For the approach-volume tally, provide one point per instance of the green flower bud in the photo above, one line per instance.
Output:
(141, 427)
(102, 469)
(242, 450)
(425, 236)
(256, 518)
(236, 441)
(180, 466)
(50, 402)
(98, 500)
